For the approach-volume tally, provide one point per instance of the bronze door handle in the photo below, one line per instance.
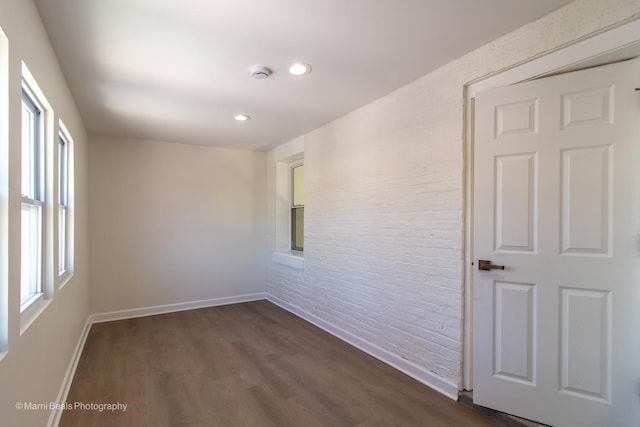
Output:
(486, 265)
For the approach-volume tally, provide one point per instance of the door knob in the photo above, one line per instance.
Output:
(484, 264)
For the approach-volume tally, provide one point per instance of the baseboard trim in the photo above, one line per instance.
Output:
(172, 308)
(56, 414)
(418, 373)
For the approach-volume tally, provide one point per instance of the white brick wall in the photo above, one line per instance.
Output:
(384, 202)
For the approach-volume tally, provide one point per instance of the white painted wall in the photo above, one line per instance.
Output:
(36, 362)
(384, 202)
(174, 223)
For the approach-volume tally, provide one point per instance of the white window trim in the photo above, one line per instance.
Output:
(4, 194)
(37, 199)
(293, 259)
(292, 166)
(64, 276)
(286, 156)
(33, 311)
(30, 312)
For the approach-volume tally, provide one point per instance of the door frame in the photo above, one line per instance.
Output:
(608, 46)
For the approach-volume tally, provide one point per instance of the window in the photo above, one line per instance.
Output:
(32, 269)
(289, 203)
(297, 207)
(63, 203)
(4, 193)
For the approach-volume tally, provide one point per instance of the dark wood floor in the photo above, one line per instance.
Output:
(250, 364)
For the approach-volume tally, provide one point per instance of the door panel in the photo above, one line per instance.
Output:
(590, 107)
(585, 344)
(586, 200)
(517, 118)
(515, 332)
(557, 202)
(516, 202)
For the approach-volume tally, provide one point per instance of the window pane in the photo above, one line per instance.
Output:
(31, 279)
(32, 210)
(62, 240)
(28, 150)
(62, 204)
(298, 185)
(62, 172)
(297, 229)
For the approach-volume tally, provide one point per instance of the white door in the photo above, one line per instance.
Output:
(557, 203)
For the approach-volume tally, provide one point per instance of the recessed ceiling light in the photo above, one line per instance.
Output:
(241, 117)
(299, 69)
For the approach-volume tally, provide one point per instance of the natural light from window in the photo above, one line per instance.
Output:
(31, 286)
(297, 207)
(63, 204)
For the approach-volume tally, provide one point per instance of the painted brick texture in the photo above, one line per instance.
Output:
(384, 201)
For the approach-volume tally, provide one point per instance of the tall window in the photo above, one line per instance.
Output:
(63, 203)
(4, 192)
(31, 286)
(297, 207)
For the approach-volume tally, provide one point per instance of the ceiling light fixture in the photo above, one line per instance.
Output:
(299, 69)
(241, 117)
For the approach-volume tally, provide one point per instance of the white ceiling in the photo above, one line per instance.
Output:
(178, 70)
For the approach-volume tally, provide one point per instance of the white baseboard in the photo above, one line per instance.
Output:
(56, 414)
(172, 308)
(418, 373)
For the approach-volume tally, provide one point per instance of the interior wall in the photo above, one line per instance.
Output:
(174, 223)
(35, 364)
(384, 202)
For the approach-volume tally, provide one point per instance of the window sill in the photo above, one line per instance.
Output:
(64, 279)
(32, 313)
(294, 259)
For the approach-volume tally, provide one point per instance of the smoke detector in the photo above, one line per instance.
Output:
(260, 72)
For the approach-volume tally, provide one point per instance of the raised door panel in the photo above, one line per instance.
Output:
(586, 201)
(516, 203)
(585, 344)
(515, 332)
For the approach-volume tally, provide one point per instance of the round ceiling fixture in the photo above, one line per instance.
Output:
(260, 72)
(299, 69)
(241, 117)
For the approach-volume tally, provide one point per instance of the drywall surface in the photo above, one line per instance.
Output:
(384, 202)
(34, 365)
(174, 223)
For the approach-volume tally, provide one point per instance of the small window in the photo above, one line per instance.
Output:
(63, 203)
(297, 207)
(32, 228)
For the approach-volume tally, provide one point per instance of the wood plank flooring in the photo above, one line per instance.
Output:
(250, 364)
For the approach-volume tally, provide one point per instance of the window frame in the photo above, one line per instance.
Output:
(31, 309)
(295, 208)
(4, 194)
(37, 194)
(284, 156)
(67, 255)
(63, 203)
